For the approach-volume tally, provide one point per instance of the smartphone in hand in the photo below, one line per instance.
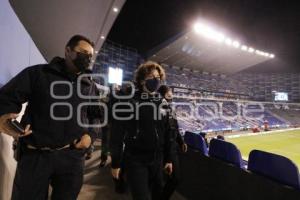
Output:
(14, 124)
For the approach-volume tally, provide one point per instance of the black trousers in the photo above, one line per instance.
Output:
(36, 170)
(172, 181)
(105, 141)
(144, 177)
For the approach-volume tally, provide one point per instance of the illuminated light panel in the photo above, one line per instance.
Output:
(228, 41)
(244, 48)
(250, 50)
(208, 32)
(115, 9)
(115, 75)
(236, 44)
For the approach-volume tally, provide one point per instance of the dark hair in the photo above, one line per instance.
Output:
(220, 137)
(75, 40)
(146, 68)
(163, 89)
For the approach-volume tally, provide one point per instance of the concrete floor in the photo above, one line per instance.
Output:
(98, 183)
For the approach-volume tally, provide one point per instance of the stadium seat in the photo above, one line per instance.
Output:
(276, 167)
(196, 142)
(226, 151)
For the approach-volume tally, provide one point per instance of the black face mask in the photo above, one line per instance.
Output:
(82, 61)
(152, 84)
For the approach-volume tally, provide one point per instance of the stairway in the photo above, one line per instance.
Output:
(98, 183)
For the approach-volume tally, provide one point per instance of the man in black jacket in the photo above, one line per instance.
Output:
(173, 180)
(53, 151)
(141, 139)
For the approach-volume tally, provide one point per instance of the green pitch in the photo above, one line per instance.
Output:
(285, 143)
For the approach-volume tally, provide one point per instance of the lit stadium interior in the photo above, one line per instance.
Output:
(232, 67)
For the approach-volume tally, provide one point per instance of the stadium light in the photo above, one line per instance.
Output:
(210, 33)
(250, 50)
(244, 48)
(236, 44)
(199, 27)
(115, 9)
(115, 75)
(228, 41)
(220, 37)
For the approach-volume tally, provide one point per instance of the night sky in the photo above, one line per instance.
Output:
(273, 26)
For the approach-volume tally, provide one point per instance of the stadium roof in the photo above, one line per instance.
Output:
(52, 23)
(269, 25)
(195, 51)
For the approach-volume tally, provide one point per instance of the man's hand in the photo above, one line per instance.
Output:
(115, 173)
(84, 143)
(184, 147)
(6, 128)
(168, 168)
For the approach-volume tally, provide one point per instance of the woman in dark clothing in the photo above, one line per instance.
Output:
(140, 136)
(172, 181)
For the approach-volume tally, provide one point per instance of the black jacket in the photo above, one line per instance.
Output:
(33, 85)
(174, 127)
(143, 136)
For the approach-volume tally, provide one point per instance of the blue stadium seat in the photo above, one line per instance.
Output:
(196, 142)
(276, 167)
(225, 151)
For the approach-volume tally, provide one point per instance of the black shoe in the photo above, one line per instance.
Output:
(103, 159)
(102, 163)
(88, 156)
(120, 185)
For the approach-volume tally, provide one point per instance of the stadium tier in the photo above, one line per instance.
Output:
(115, 55)
(259, 87)
(239, 90)
(263, 85)
(217, 116)
(205, 81)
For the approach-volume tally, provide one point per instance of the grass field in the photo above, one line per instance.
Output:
(285, 143)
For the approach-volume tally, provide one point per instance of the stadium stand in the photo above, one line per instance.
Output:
(196, 142)
(262, 85)
(221, 85)
(114, 54)
(227, 152)
(290, 113)
(215, 179)
(210, 103)
(274, 166)
(204, 115)
(257, 87)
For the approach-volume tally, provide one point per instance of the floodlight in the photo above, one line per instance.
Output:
(228, 41)
(251, 50)
(236, 44)
(244, 48)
